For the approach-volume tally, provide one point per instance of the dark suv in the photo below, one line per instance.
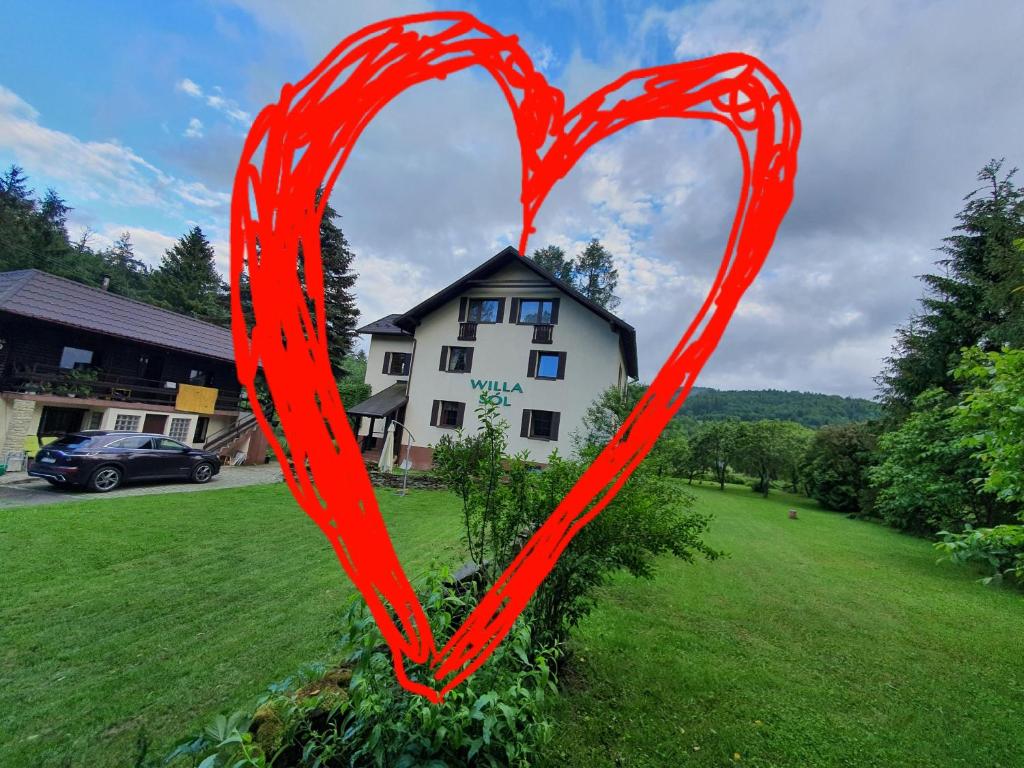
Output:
(102, 460)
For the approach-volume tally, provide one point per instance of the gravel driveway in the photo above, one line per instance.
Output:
(36, 491)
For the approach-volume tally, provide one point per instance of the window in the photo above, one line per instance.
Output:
(540, 425)
(73, 357)
(467, 331)
(166, 444)
(397, 363)
(95, 419)
(202, 424)
(126, 423)
(546, 365)
(179, 428)
(483, 310)
(537, 311)
(71, 441)
(543, 334)
(200, 378)
(447, 414)
(456, 359)
(133, 443)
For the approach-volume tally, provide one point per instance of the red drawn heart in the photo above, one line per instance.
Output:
(303, 142)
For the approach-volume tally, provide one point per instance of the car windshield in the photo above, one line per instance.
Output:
(71, 441)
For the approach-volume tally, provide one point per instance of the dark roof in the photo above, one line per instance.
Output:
(384, 327)
(35, 294)
(384, 402)
(627, 334)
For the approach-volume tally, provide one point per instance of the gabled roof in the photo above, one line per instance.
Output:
(384, 327)
(509, 255)
(41, 296)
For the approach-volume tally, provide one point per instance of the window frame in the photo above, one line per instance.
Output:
(389, 363)
(445, 363)
(77, 365)
(466, 309)
(137, 422)
(440, 407)
(529, 421)
(185, 431)
(533, 364)
(540, 311)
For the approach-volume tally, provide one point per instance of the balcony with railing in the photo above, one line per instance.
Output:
(543, 334)
(97, 384)
(467, 331)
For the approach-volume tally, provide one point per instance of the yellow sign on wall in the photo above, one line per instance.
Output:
(196, 399)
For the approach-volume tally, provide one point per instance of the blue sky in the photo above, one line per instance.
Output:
(136, 113)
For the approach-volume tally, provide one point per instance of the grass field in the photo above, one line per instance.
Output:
(821, 641)
(150, 614)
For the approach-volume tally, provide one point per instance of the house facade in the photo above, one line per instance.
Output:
(74, 357)
(508, 333)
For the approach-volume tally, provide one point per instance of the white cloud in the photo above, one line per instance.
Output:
(194, 129)
(96, 170)
(215, 100)
(149, 245)
(187, 86)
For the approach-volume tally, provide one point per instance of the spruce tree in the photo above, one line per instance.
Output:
(552, 258)
(596, 276)
(187, 280)
(340, 312)
(972, 302)
(128, 275)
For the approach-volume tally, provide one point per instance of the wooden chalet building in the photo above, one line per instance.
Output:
(74, 357)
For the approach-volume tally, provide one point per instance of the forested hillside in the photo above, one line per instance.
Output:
(807, 408)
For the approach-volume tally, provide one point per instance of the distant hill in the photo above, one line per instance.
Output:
(807, 408)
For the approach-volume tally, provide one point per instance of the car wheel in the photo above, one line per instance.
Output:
(202, 472)
(105, 479)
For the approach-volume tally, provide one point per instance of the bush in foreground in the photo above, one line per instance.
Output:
(356, 714)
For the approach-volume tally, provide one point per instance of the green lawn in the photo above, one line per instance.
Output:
(148, 615)
(821, 641)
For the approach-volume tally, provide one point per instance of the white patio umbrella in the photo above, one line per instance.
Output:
(387, 458)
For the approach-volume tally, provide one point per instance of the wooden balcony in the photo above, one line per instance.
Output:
(467, 331)
(97, 384)
(543, 334)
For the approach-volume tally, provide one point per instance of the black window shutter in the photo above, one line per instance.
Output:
(531, 366)
(462, 309)
(433, 413)
(554, 311)
(501, 310)
(469, 359)
(462, 413)
(444, 359)
(387, 362)
(525, 432)
(513, 310)
(561, 365)
(554, 424)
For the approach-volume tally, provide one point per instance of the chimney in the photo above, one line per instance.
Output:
(105, 285)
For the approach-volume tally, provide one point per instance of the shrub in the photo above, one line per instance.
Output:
(504, 503)
(835, 466)
(1000, 550)
(356, 714)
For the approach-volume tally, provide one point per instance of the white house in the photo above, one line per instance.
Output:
(509, 333)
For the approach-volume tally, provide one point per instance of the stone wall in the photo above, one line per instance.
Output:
(19, 421)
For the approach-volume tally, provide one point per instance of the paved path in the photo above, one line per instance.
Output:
(36, 491)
